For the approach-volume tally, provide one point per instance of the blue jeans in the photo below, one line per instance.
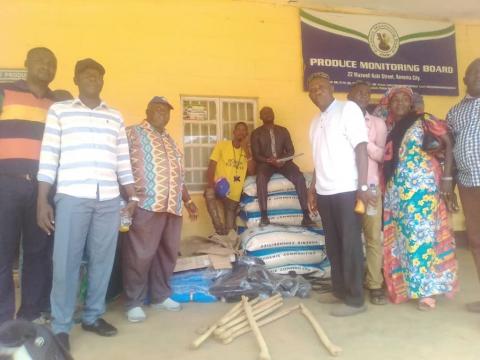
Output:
(82, 224)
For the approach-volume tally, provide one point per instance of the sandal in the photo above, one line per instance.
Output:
(377, 297)
(426, 304)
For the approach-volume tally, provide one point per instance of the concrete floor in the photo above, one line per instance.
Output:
(384, 332)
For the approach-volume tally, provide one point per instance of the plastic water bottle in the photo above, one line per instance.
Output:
(125, 220)
(372, 210)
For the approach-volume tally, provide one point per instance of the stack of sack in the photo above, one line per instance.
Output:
(288, 248)
(282, 201)
(285, 245)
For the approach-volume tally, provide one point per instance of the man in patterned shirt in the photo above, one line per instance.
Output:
(464, 122)
(150, 254)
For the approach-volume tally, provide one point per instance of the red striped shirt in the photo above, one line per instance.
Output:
(22, 121)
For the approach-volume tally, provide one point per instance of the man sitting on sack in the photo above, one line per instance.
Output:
(270, 144)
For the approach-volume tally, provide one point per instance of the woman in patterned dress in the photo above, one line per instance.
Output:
(419, 248)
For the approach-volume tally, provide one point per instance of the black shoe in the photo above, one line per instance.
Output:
(100, 327)
(264, 221)
(63, 339)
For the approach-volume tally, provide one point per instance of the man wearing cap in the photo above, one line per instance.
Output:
(150, 254)
(85, 150)
(270, 144)
(23, 109)
(339, 139)
(372, 223)
(230, 161)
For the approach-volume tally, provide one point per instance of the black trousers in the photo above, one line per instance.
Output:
(291, 172)
(18, 205)
(344, 245)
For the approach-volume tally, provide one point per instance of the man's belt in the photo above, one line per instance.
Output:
(27, 177)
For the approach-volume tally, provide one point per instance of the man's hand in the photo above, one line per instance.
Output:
(45, 216)
(450, 202)
(448, 195)
(312, 202)
(192, 210)
(130, 208)
(446, 186)
(274, 162)
(367, 197)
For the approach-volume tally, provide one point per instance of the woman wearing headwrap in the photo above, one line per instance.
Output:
(419, 248)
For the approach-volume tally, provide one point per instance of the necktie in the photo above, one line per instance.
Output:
(272, 142)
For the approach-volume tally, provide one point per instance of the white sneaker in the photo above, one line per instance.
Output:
(136, 314)
(168, 304)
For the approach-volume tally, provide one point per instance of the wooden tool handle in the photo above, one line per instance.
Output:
(233, 313)
(257, 309)
(264, 353)
(332, 348)
(257, 316)
(261, 322)
(205, 335)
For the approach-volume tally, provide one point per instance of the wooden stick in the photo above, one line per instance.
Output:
(239, 314)
(264, 353)
(238, 309)
(203, 329)
(209, 331)
(199, 340)
(258, 308)
(332, 348)
(225, 333)
(262, 322)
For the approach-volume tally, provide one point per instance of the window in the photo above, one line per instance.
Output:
(206, 121)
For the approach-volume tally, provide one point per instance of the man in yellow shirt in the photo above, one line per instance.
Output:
(230, 160)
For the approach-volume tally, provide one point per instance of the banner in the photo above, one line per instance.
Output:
(384, 51)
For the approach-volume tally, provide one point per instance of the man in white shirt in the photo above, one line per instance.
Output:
(339, 142)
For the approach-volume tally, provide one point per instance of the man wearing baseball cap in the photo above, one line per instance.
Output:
(89, 138)
(150, 254)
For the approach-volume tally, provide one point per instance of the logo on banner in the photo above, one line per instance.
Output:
(383, 40)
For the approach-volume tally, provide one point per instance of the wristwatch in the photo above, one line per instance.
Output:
(364, 188)
(134, 198)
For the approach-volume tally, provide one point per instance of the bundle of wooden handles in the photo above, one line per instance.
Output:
(249, 316)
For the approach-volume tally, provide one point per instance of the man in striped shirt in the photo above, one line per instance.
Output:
(85, 150)
(23, 109)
